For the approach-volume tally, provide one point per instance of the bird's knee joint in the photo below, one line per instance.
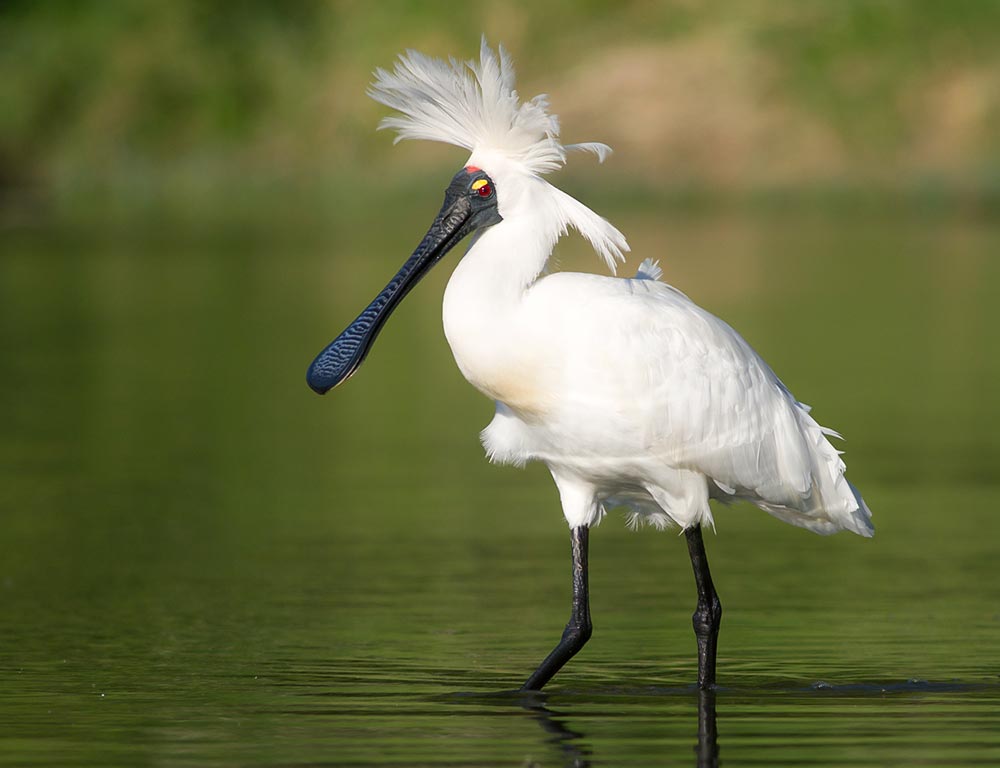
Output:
(707, 617)
(578, 633)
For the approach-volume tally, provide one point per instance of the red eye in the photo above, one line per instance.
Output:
(485, 191)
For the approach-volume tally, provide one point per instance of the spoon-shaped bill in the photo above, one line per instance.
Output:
(344, 355)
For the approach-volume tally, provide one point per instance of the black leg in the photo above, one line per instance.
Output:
(708, 615)
(578, 628)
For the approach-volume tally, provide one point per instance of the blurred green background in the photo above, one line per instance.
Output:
(194, 104)
(204, 563)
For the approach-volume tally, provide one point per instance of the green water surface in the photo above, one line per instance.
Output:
(202, 563)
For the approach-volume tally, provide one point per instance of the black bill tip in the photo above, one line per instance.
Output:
(341, 357)
(320, 381)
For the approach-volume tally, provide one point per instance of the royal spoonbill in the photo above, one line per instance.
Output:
(630, 393)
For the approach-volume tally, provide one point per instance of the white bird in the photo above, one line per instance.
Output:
(630, 393)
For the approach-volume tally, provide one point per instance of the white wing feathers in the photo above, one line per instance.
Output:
(744, 429)
(682, 392)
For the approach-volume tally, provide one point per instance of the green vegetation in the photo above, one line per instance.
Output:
(124, 105)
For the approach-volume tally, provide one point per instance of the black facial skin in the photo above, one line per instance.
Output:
(465, 210)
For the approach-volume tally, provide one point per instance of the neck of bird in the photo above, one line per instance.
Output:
(481, 314)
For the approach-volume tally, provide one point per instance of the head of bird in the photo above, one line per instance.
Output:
(472, 105)
(470, 205)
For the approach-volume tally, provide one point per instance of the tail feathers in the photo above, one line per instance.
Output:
(833, 500)
(862, 515)
(809, 488)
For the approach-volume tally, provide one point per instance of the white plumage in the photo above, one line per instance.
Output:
(629, 392)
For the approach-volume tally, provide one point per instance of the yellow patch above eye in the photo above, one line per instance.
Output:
(479, 184)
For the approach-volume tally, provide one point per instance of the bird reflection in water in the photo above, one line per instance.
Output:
(707, 747)
(576, 752)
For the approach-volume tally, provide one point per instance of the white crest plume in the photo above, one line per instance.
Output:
(474, 105)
